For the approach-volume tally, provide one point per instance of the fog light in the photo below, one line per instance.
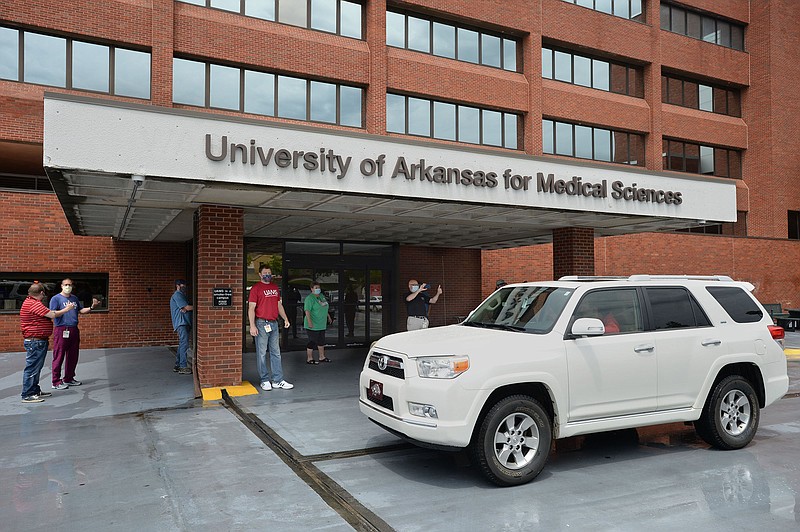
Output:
(417, 409)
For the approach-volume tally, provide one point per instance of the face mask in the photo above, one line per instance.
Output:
(266, 278)
(414, 288)
(317, 291)
(67, 289)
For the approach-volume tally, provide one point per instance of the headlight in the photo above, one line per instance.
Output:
(442, 367)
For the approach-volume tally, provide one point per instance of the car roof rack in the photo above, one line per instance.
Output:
(592, 278)
(644, 277)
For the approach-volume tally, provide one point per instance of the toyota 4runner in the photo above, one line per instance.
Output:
(545, 360)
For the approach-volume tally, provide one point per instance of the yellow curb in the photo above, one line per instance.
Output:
(792, 353)
(215, 394)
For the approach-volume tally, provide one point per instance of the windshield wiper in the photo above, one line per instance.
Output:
(501, 326)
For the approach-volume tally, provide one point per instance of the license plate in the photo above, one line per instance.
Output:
(375, 391)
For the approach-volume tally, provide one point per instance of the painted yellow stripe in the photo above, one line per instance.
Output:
(215, 394)
(792, 353)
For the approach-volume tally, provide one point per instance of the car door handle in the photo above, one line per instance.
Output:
(644, 347)
(711, 341)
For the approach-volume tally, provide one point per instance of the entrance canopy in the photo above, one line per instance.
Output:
(138, 172)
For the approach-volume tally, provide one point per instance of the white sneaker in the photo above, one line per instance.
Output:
(266, 386)
(283, 385)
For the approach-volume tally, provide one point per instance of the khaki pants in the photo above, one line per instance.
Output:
(413, 323)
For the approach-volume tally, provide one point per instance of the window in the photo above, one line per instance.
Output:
(619, 310)
(443, 39)
(73, 64)
(739, 305)
(675, 308)
(586, 142)
(700, 26)
(629, 9)
(14, 288)
(794, 224)
(265, 93)
(25, 182)
(598, 74)
(448, 121)
(694, 158)
(696, 95)
(342, 17)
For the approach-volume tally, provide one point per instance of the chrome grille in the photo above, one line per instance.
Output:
(387, 365)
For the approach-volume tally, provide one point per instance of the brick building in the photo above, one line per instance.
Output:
(363, 143)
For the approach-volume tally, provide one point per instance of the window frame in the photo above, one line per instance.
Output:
(733, 105)
(53, 282)
(736, 30)
(633, 89)
(732, 170)
(629, 155)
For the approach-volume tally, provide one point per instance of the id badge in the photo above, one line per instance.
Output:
(268, 328)
(65, 334)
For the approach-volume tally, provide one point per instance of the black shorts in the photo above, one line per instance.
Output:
(315, 339)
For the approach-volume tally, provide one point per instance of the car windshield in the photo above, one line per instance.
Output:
(533, 309)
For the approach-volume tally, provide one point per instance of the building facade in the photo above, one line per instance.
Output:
(363, 143)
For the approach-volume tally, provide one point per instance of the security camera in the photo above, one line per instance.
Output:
(701, 222)
(138, 179)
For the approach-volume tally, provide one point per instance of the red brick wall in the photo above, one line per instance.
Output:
(767, 263)
(573, 251)
(458, 271)
(36, 237)
(219, 265)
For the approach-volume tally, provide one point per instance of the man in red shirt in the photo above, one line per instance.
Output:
(36, 325)
(264, 305)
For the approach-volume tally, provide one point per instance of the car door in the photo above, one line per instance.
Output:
(613, 374)
(686, 344)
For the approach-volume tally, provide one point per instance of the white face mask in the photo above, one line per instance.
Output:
(414, 288)
(67, 289)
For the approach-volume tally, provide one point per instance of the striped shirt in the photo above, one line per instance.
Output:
(33, 319)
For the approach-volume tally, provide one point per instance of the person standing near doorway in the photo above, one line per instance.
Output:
(350, 305)
(316, 310)
(66, 336)
(418, 303)
(36, 325)
(264, 306)
(181, 312)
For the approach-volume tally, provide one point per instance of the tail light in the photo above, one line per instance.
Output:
(777, 333)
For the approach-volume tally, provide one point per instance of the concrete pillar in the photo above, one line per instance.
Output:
(219, 265)
(573, 251)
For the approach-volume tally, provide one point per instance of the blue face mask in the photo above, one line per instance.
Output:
(414, 288)
(266, 278)
(317, 291)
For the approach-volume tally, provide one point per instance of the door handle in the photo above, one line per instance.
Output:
(644, 347)
(711, 341)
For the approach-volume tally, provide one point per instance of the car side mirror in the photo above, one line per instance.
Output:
(588, 327)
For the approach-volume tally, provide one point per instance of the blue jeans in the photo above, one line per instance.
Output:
(183, 345)
(268, 342)
(35, 352)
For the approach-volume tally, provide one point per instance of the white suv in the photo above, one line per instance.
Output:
(538, 361)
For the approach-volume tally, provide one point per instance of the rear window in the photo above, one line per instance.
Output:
(737, 303)
(675, 308)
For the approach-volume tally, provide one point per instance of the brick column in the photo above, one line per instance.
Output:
(573, 251)
(219, 265)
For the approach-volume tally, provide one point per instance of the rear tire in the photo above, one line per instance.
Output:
(513, 442)
(731, 414)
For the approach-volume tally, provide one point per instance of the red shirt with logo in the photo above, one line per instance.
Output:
(266, 297)
(33, 319)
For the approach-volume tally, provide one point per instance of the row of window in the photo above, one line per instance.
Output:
(586, 142)
(333, 16)
(262, 93)
(87, 286)
(696, 95)
(448, 121)
(446, 40)
(698, 159)
(630, 9)
(710, 29)
(72, 64)
(589, 72)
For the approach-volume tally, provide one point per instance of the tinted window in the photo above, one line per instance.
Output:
(737, 303)
(619, 310)
(674, 308)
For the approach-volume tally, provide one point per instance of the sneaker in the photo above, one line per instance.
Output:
(185, 371)
(32, 399)
(44, 394)
(73, 382)
(266, 386)
(176, 368)
(283, 385)
(60, 386)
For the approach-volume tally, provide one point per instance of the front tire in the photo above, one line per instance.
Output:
(513, 442)
(731, 414)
